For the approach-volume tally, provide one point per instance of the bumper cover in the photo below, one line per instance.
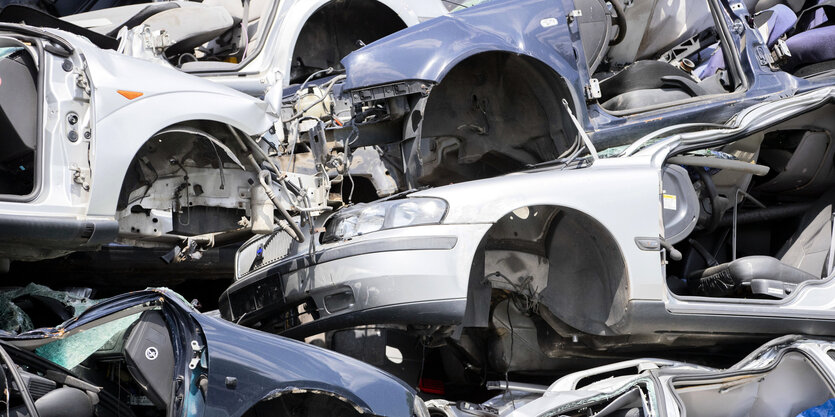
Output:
(417, 279)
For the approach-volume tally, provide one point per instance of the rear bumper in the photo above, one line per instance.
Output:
(418, 277)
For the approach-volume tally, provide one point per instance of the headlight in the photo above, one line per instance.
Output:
(367, 218)
(420, 409)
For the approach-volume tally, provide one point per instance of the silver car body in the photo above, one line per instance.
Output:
(78, 182)
(423, 274)
(278, 31)
(272, 60)
(784, 377)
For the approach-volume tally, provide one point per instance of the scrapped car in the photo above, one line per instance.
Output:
(564, 95)
(479, 92)
(287, 44)
(151, 353)
(99, 146)
(695, 235)
(790, 376)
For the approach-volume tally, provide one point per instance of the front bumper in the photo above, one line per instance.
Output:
(413, 275)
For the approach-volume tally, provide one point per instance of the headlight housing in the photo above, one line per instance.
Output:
(367, 218)
(420, 409)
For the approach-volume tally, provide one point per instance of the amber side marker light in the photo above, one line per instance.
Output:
(130, 95)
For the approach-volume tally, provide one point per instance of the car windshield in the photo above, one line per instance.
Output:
(70, 351)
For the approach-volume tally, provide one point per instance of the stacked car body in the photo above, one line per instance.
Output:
(565, 183)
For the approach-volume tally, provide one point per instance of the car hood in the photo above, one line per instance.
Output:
(274, 365)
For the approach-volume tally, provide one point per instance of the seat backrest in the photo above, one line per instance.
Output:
(807, 250)
(795, 5)
(802, 169)
(18, 105)
(150, 357)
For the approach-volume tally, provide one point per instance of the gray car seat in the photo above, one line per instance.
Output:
(802, 258)
(18, 105)
(646, 83)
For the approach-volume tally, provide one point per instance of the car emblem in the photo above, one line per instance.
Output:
(151, 353)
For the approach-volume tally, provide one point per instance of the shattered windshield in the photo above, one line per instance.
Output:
(70, 351)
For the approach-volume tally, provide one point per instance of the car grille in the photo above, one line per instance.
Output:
(273, 248)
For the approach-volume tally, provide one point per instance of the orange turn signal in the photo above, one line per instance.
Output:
(130, 95)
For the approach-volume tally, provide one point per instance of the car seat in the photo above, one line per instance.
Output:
(646, 83)
(803, 258)
(150, 357)
(811, 37)
(18, 105)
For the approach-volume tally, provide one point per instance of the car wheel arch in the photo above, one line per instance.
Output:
(218, 136)
(279, 402)
(481, 81)
(309, 13)
(573, 244)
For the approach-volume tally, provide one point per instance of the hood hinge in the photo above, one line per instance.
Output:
(592, 90)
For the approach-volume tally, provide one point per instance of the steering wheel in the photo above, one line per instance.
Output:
(620, 22)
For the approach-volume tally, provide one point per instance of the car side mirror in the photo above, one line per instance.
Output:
(65, 402)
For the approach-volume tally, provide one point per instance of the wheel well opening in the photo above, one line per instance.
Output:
(544, 278)
(564, 265)
(336, 30)
(165, 154)
(303, 403)
(493, 113)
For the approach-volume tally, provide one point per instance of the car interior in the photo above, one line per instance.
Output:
(208, 36)
(793, 385)
(753, 218)
(211, 31)
(18, 118)
(131, 358)
(650, 53)
(653, 53)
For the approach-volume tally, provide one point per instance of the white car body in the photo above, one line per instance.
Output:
(77, 183)
(81, 198)
(784, 377)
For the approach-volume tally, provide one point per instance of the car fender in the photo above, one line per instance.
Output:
(120, 135)
(264, 365)
(630, 184)
(430, 50)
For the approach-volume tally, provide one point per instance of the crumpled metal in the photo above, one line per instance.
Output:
(14, 320)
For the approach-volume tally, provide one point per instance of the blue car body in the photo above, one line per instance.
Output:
(242, 367)
(429, 51)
